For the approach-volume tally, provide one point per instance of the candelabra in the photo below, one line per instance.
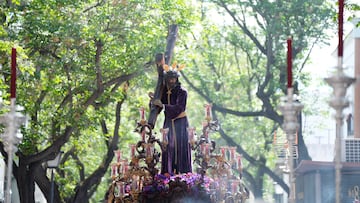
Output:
(140, 179)
(219, 166)
(12, 120)
(339, 82)
(130, 178)
(290, 108)
(203, 147)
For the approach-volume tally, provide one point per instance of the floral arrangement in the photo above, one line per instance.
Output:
(191, 183)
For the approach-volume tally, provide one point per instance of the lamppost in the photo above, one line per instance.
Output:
(290, 108)
(12, 120)
(339, 82)
(11, 138)
(53, 164)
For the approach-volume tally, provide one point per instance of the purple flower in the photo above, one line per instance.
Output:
(196, 183)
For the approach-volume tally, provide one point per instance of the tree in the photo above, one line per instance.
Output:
(81, 78)
(354, 10)
(243, 71)
(78, 60)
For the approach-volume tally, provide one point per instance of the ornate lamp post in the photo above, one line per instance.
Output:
(339, 82)
(290, 108)
(11, 138)
(12, 121)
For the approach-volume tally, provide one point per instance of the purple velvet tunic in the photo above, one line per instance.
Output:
(177, 157)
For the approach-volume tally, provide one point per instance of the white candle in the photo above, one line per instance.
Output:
(114, 170)
(117, 155)
(223, 151)
(208, 115)
(132, 150)
(202, 148)
(207, 149)
(232, 151)
(238, 162)
(149, 150)
(124, 167)
(164, 133)
(143, 135)
(191, 134)
(142, 114)
(121, 188)
(235, 186)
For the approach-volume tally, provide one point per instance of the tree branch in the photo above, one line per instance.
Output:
(243, 27)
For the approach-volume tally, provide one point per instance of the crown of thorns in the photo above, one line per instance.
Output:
(174, 67)
(173, 71)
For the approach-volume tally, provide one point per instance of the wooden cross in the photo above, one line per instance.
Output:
(159, 60)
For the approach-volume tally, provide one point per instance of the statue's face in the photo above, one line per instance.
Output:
(171, 82)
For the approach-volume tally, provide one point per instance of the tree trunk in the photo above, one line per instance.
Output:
(172, 35)
(259, 180)
(25, 182)
(302, 149)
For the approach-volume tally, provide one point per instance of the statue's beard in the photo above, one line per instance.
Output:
(171, 85)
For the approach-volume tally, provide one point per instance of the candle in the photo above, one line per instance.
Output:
(148, 150)
(238, 162)
(208, 115)
(122, 166)
(132, 150)
(340, 32)
(202, 148)
(191, 135)
(289, 63)
(114, 170)
(142, 114)
(235, 186)
(223, 151)
(134, 184)
(164, 133)
(121, 188)
(207, 149)
(13, 74)
(117, 155)
(143, 135)
(232, 151)
(126, 167)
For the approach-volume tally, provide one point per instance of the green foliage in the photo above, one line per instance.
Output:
(238, 63)
(352, 8)
(71, 57)
(73, 54)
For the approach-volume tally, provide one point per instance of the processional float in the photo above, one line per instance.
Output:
(218, 175)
